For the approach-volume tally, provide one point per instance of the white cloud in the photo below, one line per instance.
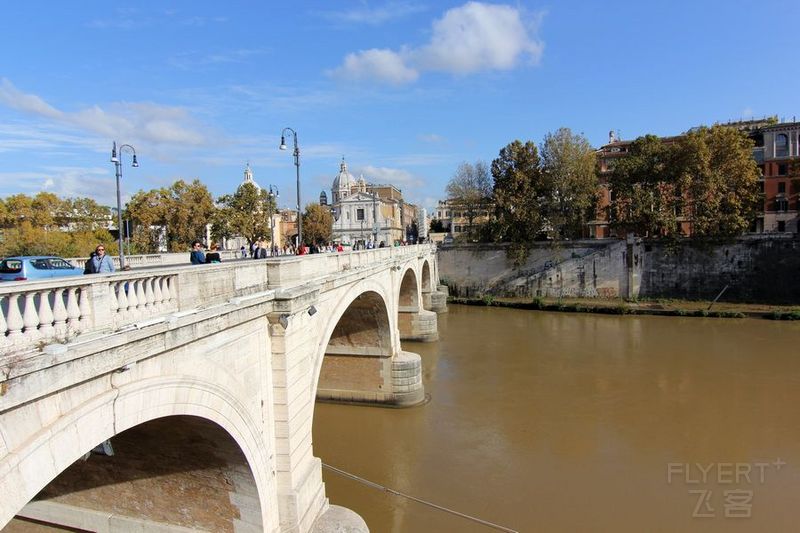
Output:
(91, 182)
(376, 15)
(471, 38)
(477, 37)
(747, 112)
(431, 138)
(376, 65)
(143, 121)
(402, 179)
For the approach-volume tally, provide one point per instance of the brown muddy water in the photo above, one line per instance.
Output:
(575, 422)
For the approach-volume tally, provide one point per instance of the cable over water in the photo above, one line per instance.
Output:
(418, 500)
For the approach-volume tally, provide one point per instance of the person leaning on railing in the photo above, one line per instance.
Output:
(213, 255)
(98, 262)
(196, 256)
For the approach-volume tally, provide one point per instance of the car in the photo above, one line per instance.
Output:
(36, 267)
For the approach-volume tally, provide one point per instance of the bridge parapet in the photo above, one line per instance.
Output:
(33, 314)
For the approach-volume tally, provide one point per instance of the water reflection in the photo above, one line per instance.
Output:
(567, 422)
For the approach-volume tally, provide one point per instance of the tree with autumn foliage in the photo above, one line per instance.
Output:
(179, 212)
(707, 177)
(46, 224)
(569, 168)
(723, 193)
(470, 191)
(245, 213)
(317, 224)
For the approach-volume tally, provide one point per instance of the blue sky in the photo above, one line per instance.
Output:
(404, 90)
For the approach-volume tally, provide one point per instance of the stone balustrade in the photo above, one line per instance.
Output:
(36, 313)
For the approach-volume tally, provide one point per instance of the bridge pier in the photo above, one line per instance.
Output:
(353, 374)
(417, 324)
(435, 301)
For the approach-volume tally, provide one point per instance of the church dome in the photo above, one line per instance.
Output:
(343, 180)
(248, 178)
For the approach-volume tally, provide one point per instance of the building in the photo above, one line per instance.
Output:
(364, 212)
(777, 153)
(455, 219)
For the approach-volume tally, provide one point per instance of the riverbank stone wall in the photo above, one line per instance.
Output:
(757, 268)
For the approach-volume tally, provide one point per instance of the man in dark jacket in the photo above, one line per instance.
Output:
(197, 257)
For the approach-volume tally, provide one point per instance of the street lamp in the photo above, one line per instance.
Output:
(273, 194)
(374, 219)
(297, 165)
(117, 160)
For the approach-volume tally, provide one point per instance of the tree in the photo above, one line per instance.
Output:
(245, 213)
(723, 179)
(190, 208)
(470, 190)
(708, 177)
(519, 193)
(179, 212)
(569, 166)
(317, 224)
(436, 226)
(647, 188)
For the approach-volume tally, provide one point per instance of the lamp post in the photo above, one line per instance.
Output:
(297, 165)
(374, 219)
(117, 160)
(273, 193)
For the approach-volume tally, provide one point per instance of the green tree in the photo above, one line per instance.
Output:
(147, 212)
(245, 213)
(722, 176)
(436, 226)
(179, 212)
(470, 191)
(647, 188)
(317, 224)
(570, 170)
(519, 194)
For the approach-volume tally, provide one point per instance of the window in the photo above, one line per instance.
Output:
(761, 186)
(360, 214)
(781, 204)
(40, 264)
(782, 187)
(781, 225)
(781, 145)
(60, 264)
(783, 169)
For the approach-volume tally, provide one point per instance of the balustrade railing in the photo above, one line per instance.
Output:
(35, 313)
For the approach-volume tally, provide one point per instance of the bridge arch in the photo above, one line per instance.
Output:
(426, 277)
(409, 290)
(360, 331)
(107, 415)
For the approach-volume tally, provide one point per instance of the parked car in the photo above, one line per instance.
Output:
(36, 267)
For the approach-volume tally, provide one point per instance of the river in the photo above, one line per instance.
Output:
(577, 422)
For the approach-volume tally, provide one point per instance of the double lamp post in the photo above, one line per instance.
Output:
(116, 158)
(297, 165)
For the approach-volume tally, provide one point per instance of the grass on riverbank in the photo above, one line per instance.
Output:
(638, 307)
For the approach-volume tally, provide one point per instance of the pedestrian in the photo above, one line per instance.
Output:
(196, 256)
(99, 262)
(243, 250)
(213, 255)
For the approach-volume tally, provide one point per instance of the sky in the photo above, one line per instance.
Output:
(405, 91)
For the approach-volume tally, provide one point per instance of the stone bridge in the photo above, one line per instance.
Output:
(244, 347)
